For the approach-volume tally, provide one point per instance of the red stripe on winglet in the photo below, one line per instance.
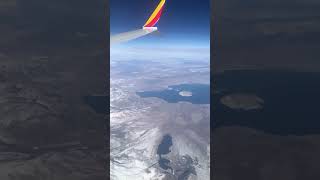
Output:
(155, 19)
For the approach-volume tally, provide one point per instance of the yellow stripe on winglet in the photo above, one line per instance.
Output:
(155, 12)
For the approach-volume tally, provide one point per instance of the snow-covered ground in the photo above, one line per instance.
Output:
(139, 124)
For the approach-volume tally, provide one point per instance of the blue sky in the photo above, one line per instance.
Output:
(183, 23)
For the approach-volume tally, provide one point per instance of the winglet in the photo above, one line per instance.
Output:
(155, 16)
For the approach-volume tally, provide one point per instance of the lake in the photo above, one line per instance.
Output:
(193, 93)
(164, 148)
(291, 101)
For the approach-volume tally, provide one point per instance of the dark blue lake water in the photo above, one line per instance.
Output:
(164, 148)
(291, 101)
(100, 104)
(200, 93)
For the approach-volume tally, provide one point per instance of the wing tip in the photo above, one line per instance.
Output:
(150, 28)
(155, 16)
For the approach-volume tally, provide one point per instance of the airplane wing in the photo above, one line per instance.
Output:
(147, 28)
